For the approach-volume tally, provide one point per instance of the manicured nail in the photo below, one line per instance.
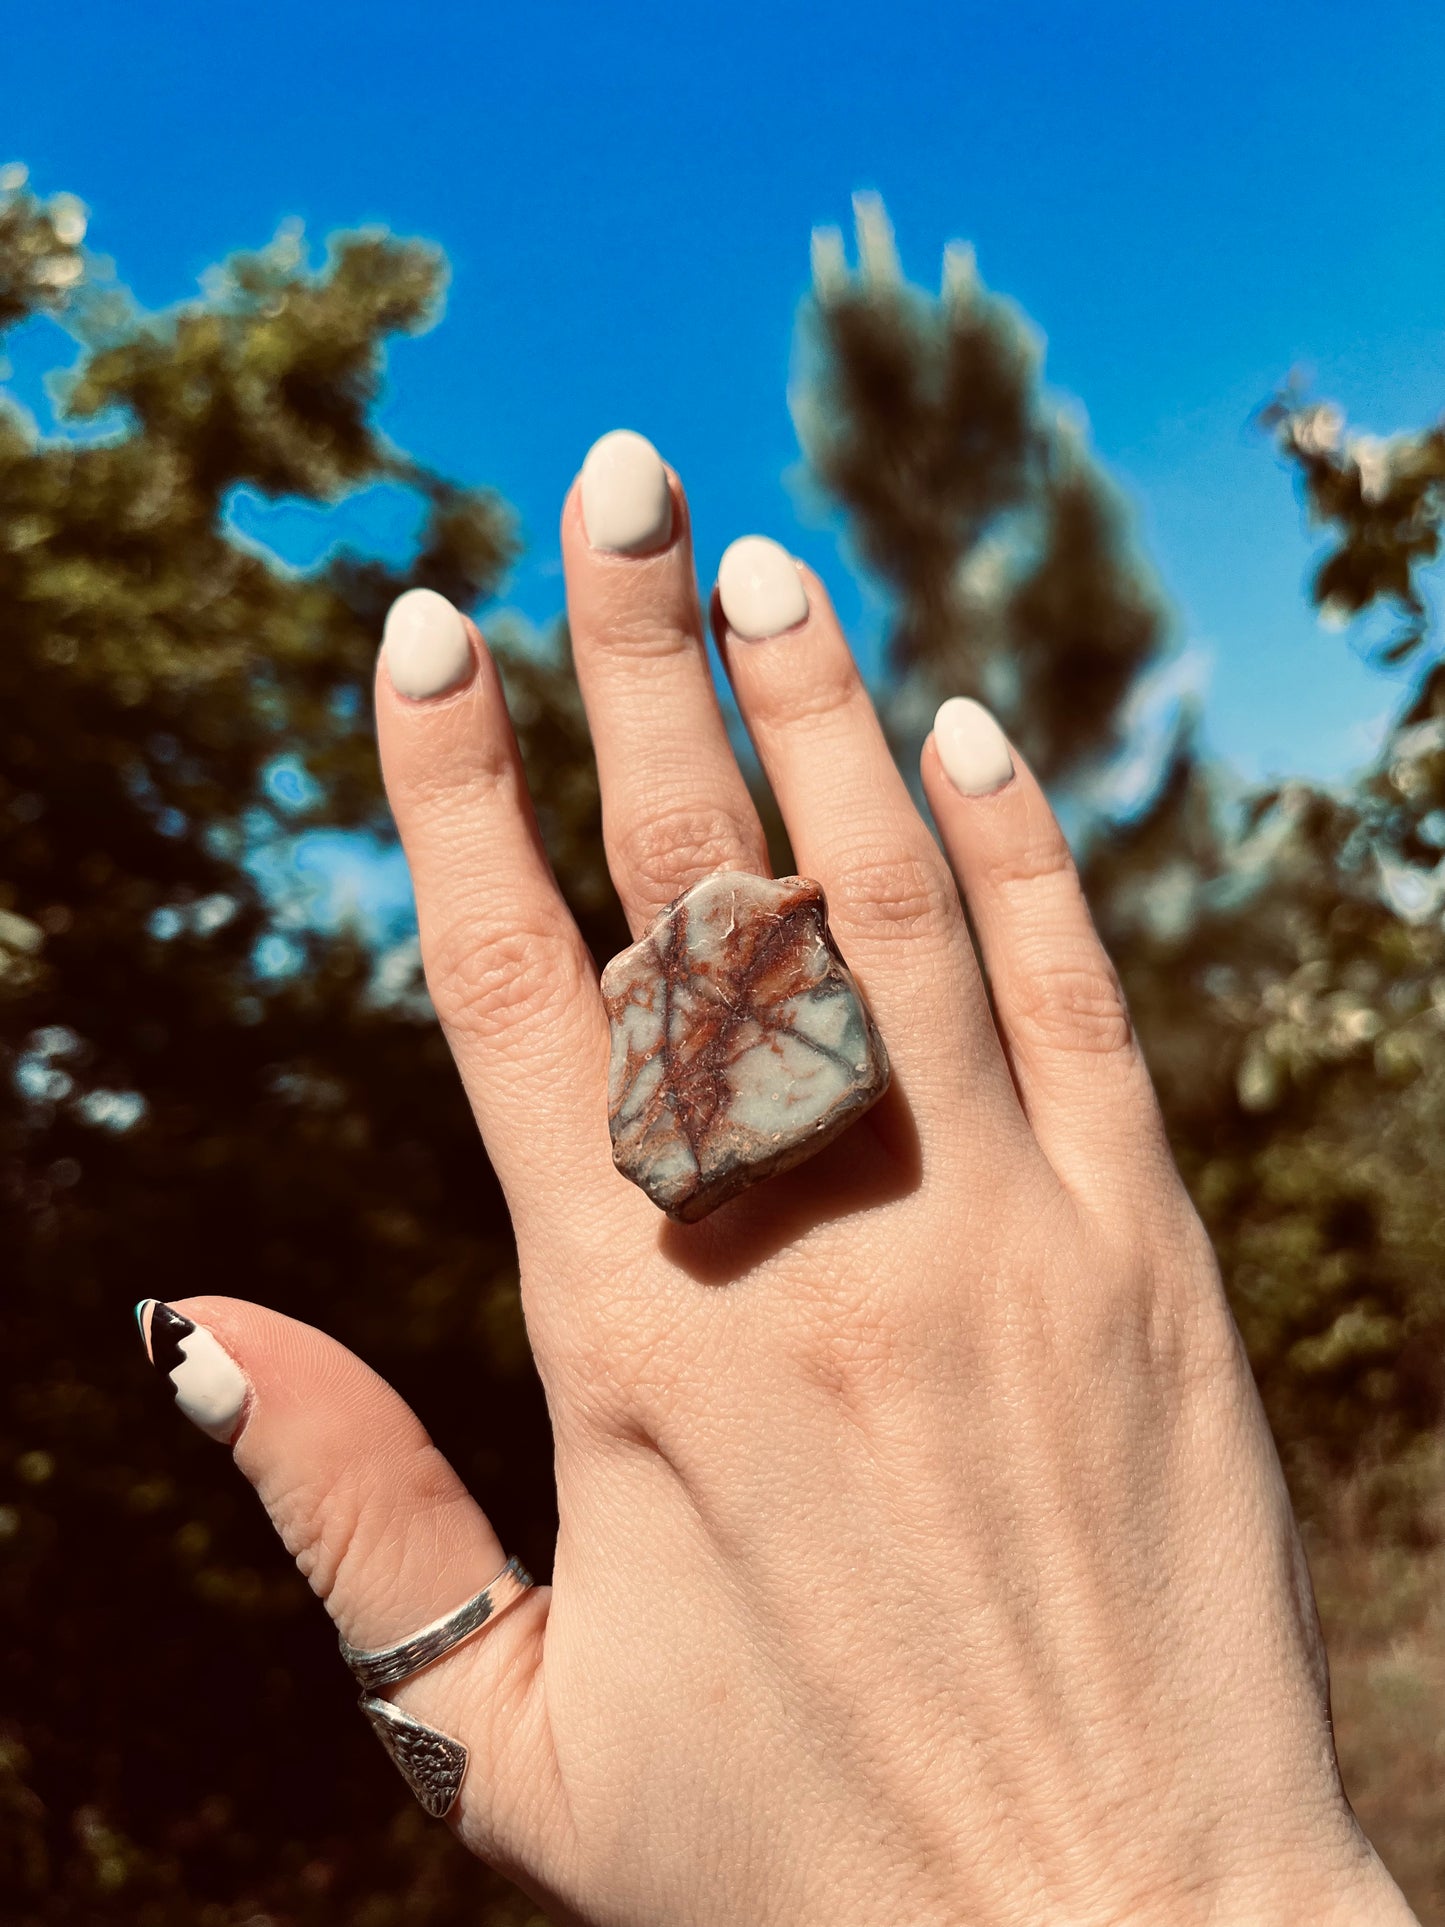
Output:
(760, 589)
(971, 747)
(626, 502)
(426, 645)
(208, 1384)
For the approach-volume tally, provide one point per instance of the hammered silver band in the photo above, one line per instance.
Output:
(432, 1763)
(389, 1664)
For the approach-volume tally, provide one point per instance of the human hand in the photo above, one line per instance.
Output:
(923, 1551)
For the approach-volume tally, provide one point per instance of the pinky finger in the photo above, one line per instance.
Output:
(1057, 999)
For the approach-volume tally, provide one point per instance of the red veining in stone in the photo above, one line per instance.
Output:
(726, 1005)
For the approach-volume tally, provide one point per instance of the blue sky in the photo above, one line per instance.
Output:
(1188, 200)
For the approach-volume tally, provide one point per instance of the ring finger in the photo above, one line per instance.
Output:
(892, 902)
(675, 807)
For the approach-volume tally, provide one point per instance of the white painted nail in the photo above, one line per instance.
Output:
(210, 1386)
(971, 746)
(426, 645)
(761, 591)
(626, 502)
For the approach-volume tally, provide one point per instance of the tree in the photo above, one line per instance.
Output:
(1283, 952)
(972, 493)
(207, 1088)
(205, 1092)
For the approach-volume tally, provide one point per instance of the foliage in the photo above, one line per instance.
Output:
(207, 1093)
(971, 492)
(1383, 498)
(1283, 952)
(209, 1087)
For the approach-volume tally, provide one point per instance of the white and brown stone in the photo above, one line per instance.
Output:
(740, 1042)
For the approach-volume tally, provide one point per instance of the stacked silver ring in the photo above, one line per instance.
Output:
(432, 1763)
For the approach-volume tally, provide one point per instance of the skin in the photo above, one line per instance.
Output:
(924, 1553)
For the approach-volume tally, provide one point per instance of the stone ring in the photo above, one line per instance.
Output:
(740, 1042)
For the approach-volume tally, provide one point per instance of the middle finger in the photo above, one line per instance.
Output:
(675, 807)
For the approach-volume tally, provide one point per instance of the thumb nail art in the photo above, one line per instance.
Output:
(209, 1386)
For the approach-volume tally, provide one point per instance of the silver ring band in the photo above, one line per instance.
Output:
(392, 1663)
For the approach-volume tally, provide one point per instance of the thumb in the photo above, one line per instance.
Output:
(386, 1534)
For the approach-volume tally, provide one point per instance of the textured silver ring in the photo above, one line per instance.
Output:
(433, 1764)
(389, 1664)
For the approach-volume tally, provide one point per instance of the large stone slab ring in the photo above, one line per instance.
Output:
(740, 1042)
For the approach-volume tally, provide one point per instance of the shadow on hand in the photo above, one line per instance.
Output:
(876, 1162)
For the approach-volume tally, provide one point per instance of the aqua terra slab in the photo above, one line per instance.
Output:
(740, 1042)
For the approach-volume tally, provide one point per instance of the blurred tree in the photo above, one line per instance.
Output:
(1382, 497)
(204, 1092)
(205, 1088)
(971, 492)
(1275, 944)
(1283, 952)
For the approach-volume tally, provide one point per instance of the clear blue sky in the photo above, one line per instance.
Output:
(1189, 200)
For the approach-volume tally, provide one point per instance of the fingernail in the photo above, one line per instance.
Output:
(426, 645)
(209, 1387)
(760, 589)
(626, 502)
(971, 747)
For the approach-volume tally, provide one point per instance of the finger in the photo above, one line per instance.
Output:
(380, 1526)
(1057, 998)
(675, 807)
(506, 967)
(892, 903)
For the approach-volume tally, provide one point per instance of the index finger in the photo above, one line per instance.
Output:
(508, 972)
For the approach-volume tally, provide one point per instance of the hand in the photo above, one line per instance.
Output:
(924, 1554)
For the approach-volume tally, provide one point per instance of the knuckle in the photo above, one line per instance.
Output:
(1117, 1315)
(653, 637)
(1164, 1323)
(830, 690)
(485, 985)
(660, 853)
(353, 1537)
(857, 1371)
(1167, 1334)
(1071, 1005)
(1041, 858)
(902, 893)
(1193, 1334)
(317, 1528)
(868, 1349)
(445, 790)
